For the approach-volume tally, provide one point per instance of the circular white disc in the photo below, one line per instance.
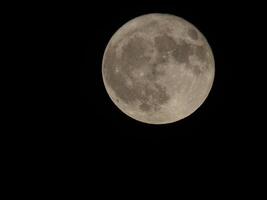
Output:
(158, 68)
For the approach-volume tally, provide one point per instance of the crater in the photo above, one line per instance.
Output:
(192, 34)
(150, 94)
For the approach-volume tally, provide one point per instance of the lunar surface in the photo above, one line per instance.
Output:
(158, 68)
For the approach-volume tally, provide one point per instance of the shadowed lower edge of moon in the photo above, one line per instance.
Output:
(150, 96)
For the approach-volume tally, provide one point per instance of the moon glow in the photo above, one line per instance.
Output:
(158, 68)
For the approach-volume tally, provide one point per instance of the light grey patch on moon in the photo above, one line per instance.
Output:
(158, 68)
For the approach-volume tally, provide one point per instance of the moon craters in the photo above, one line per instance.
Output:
(180, 51)
(193, 33)
(149, 95)
(158, 68)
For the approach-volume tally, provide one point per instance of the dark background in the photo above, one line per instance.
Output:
(62, 122)
(68, 128)
(226, 115)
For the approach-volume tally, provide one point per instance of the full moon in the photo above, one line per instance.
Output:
(158, 68)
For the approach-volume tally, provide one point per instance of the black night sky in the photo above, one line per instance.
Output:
(66, 132)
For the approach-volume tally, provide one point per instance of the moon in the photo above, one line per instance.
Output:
(158, 68)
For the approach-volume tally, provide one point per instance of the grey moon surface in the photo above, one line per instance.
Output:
(158, 68)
